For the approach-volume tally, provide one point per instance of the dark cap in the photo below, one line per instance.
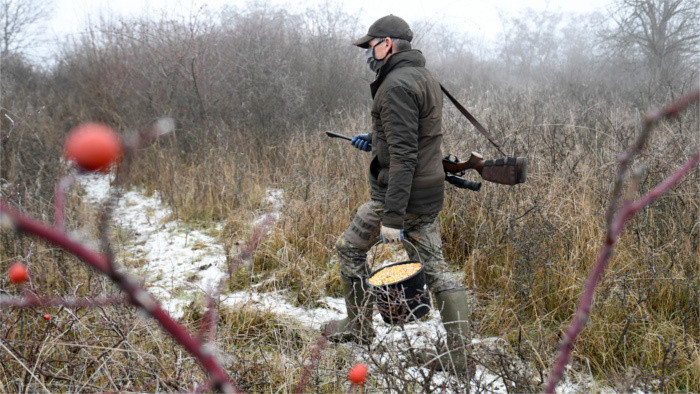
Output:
(387, 26)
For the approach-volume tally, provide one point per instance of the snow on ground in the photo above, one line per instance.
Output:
(177, 263)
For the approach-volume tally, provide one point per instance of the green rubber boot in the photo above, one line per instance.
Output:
(359, 304)
(454, 311)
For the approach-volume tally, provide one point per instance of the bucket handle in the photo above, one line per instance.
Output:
(404, 242)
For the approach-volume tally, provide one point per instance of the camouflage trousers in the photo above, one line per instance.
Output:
(422, 231)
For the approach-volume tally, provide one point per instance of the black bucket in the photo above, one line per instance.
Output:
(405, 300)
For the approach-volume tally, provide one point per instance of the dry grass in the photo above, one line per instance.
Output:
(525, 251)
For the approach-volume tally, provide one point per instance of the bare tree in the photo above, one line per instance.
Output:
(18, 18)
(663, 34)
(531, 41)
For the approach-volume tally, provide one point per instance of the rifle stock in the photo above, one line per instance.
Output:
(506, 171)
(475, 161)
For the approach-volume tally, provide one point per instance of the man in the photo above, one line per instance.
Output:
(407, 182)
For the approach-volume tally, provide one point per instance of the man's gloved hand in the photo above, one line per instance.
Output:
(390, 235)
(362, 142)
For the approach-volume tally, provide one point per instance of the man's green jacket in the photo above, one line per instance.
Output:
(406, 170)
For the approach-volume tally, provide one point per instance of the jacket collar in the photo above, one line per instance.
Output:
(407, 58)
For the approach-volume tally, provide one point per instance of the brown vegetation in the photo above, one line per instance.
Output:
(252, 96)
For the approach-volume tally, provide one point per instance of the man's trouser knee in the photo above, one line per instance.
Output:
(422, 231)
(361, 234)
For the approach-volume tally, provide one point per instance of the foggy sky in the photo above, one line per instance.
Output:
(478, 18)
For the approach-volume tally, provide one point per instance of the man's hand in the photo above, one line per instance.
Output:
(362, 142)
(390, 235)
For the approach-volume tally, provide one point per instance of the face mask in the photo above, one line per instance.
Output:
(372, 62)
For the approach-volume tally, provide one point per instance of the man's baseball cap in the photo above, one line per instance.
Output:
(387, 26)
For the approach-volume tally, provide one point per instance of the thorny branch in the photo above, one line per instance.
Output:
(15, 124)
(315, 356)
(103, 263)
(616, 219)
(211, 316)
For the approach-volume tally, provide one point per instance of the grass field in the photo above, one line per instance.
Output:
(245, 127)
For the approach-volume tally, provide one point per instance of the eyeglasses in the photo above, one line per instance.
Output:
(378, 42)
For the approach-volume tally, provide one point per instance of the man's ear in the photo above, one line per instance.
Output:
(390, 42)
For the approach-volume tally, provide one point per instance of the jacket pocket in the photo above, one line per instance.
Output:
(374, 168)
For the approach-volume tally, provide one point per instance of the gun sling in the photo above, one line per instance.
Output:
(473, 120)
(507, 171)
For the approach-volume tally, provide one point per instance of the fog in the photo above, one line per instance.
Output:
(253, 87)
(484, 21)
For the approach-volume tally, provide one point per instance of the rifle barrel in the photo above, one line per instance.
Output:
(336, 135)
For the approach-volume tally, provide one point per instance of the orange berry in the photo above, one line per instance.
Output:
(358, 374)
(93, 146)
(18, 273)
(47, 317)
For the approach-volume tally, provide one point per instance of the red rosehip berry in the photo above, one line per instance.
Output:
(358, 374)
(18, 273)
(93, 146)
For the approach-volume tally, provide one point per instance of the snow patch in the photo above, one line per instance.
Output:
(276, 303)
(177, 263)
(275, 198)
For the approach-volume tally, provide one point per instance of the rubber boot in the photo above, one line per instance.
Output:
(455, 314)
(454, 311)
(359, 304)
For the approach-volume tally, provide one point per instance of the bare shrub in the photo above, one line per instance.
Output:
(252, 91)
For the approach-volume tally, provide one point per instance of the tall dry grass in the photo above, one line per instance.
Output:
(524, 251)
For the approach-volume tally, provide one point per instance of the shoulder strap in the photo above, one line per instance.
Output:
(473, 120)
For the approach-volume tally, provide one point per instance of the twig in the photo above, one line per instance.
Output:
(210, 320)
(137, 296)
(24, 366)
(32, 300)
(60, 200)
(616, 222)
(315, 356)
(252, 245)
(23, 223)
(15, 124)
(211, 317)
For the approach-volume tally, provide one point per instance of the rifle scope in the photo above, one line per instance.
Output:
(463, 183)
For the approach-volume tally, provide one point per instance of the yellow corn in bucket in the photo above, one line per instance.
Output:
(401, 292)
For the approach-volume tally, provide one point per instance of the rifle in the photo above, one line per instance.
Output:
(450, 176)
(506, 171)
